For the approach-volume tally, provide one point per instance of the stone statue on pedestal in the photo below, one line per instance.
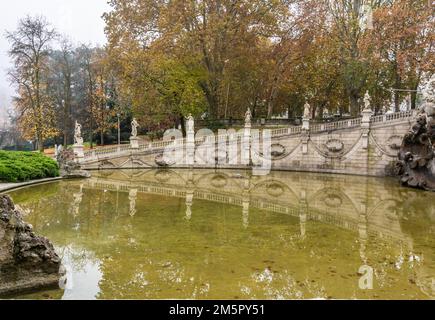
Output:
(367, 101)
(248, 118)
(78, 140)
(134, 126)
(428, 106)
(190, 123)
(416, 164)
(307, 111)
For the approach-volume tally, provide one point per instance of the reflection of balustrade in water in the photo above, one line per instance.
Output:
(302, 208)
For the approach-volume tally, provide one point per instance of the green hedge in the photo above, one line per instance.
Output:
(18, 166)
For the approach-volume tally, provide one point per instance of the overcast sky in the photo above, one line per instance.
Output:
(79, 19)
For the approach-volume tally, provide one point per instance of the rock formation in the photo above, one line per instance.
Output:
(27, 262)
(416, 164)
(69, 168)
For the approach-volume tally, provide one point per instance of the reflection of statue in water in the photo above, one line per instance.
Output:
(134, 126)
(78, 140)
(78, 197)
(190, 190)
(246, 202)
(245, 213)
(189, 202)
(132, 196)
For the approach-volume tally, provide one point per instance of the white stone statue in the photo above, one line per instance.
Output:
(248, 117)
(367, 101)
(78, 140)
(190, 123)
(307, 111)
(134, 126)
(428, 106)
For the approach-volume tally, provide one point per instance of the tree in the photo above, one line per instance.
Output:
(30, 45)
(348, 30)
(103, 95)
(210, 39)
(62, 68)
(402, 45)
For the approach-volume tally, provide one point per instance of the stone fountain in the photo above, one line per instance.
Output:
(416, 165)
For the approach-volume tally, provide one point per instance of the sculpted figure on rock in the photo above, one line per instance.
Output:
(416, 164)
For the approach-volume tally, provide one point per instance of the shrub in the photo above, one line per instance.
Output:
(18, 166)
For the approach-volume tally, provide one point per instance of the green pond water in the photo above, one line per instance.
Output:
(209, 234)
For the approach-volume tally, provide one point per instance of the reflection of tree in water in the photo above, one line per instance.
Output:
(283, 286)
(417, 212)
(78, 258)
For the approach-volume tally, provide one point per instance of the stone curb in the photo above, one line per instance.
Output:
(5, 187)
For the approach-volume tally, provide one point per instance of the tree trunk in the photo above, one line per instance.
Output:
(91, 125)
(183, 126)
(40, 142)
(65, 124)
(212, 99)
(396, 101)
(354, 105)
(414, 95)
(272, 97)
(320, 113)
(397, 85)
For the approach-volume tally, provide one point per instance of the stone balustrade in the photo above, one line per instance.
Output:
(363, 146)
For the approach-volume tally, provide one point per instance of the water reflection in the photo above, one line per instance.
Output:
(226, 234)
(82, 274)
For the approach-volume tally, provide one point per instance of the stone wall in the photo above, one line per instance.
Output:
(343, 151)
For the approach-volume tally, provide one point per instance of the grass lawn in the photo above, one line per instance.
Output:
(16, 166)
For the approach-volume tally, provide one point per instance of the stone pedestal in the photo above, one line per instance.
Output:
(190, 148)
(306, 124)
(134, 142)
(305, 134)
(305, 138)
(78, 152)
(246, 156)
(365, 126)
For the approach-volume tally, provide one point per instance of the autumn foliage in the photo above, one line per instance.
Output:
(215, 58)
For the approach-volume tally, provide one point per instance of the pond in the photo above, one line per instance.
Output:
(207, 234)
